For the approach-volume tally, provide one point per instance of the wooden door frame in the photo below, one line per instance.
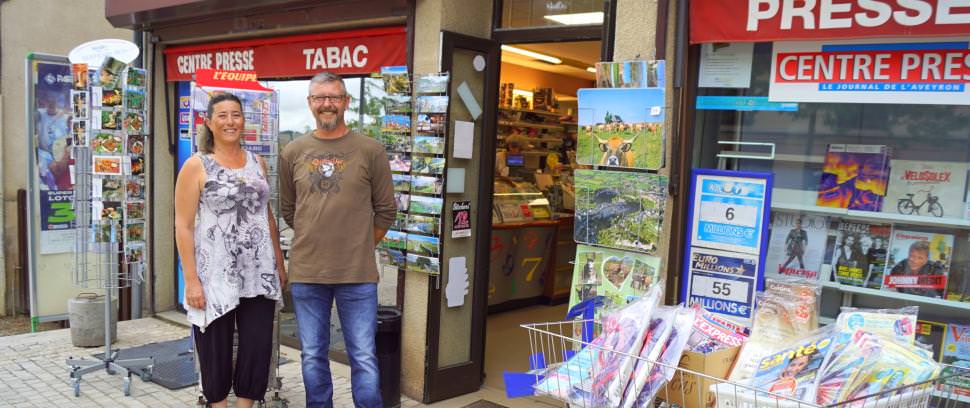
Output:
(452, 381)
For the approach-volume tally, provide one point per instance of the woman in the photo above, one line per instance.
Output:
(231, 259)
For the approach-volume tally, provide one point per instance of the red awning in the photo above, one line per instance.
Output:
(343, 52)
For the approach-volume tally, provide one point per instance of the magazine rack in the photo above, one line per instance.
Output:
(554, 344)
(100, 262)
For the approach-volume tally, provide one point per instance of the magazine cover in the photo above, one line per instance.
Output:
(956, 352)
(919, 263)
(859, 258)
(797, 244)
(621, 127)
(792, 372)
(622, 210)
(854, 177)
(618, 275)
(931, 334)
(927, 188)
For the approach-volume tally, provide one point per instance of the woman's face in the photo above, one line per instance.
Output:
(226, 122)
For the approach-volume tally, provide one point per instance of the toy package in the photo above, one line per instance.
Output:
(673, 349)
(623, 331)
(661, 327)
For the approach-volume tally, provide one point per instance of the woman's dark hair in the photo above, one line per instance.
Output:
(208, 143)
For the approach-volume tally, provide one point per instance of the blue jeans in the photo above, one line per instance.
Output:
(357, 309)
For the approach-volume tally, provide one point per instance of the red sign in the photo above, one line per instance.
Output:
(789, 20)
(229, 79)
(345, 52)
(909, 66)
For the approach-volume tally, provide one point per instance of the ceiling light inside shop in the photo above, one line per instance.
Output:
(532, 54)
(595, 17)
(591, 69)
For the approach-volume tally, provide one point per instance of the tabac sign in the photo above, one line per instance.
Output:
(873, 71)
(345, 52)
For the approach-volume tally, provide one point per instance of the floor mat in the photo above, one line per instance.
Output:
(174, 362)
(484, 404)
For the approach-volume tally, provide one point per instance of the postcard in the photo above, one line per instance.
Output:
(137, 165)
(423, 224)
(429, 145)
(107, 165)
(395, 240)
(135, 99)
(397, 104)
(136, 210)
(135, 232)
(107, 142)
(110, 119)
(135, 188)
(79, 104)
(426, 185)
(80, 74)
(396, 123)
(111, 98)
(136, 77)
(431, 83)
(621, 127)
(112, 188)
(136, 144)
(135, 122)
(396, 142)
(399, 162)
(428, 165)
(423, 264)
(79, 132)
(135, 253)
(402, 200)
(110, 73)
(422, 245)
(618, 209)
(402, 182)
(432, 104)
(396, 82)
(425, 205)
(431, 123)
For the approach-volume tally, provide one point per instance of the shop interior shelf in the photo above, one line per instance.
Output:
(900, 296)
(537, 112)
(791, 194)
(529, 125)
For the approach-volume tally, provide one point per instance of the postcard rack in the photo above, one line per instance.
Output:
(413, 131)
(557, 346)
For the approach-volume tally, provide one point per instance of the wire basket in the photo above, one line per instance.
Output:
(558, 345)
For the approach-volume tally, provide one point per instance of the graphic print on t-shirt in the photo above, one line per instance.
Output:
(326, 170)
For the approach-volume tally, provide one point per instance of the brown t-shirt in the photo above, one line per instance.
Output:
(333, 192)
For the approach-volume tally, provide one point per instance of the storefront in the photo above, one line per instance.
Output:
(859, 112)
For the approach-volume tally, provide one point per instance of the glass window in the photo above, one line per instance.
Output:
(913, 159)
(551, 13)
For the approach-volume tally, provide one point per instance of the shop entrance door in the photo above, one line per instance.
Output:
(456, 331)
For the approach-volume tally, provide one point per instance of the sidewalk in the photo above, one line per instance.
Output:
(33, 373)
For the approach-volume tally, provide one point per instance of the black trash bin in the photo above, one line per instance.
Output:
(389, 355)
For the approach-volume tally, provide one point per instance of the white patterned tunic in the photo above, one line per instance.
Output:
(234, 254)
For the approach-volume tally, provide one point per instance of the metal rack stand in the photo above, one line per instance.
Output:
(100, 262)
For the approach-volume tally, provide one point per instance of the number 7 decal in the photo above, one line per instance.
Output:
(535, 261)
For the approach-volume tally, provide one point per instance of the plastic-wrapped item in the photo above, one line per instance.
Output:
(661, 326)
(673, 349)
(623, 331)
(898, 325)
(711, 333)
(807, 292)
(776, 324)
(567, 381)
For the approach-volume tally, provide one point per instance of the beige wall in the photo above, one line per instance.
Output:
(636, 22)
(471, 17)
(51, 27)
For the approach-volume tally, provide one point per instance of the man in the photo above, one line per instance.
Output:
(336, 193)
(918, 263)
(53, 156)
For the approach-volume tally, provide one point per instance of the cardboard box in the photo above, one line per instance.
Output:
(691, 391)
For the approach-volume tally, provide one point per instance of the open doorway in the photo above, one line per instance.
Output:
(532, 248)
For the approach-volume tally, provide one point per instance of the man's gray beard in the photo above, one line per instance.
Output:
(327, 125)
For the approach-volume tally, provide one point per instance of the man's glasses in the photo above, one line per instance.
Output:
(319, 99)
